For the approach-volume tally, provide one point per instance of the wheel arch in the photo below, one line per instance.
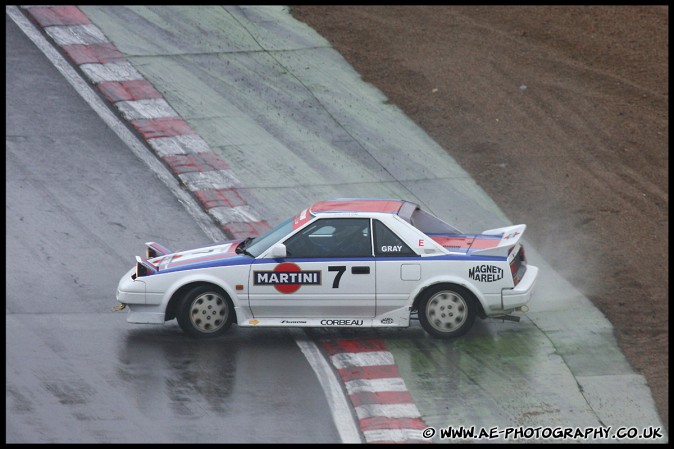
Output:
(180, 292)
(476, 296)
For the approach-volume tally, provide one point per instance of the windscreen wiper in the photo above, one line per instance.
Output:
(241, 249)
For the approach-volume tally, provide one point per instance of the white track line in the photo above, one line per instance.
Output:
(339, 406)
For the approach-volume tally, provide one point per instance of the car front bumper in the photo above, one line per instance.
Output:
(131, 292)
(145, 314)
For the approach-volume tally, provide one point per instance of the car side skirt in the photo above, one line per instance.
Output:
(395, 318)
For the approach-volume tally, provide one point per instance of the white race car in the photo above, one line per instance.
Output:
(339, 263)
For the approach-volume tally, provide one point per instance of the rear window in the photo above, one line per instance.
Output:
(430, 224)
(388, 244)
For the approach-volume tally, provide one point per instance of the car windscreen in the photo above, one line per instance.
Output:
(263, 242)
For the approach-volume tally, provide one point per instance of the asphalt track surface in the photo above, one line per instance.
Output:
(537, 372)
(79, 206)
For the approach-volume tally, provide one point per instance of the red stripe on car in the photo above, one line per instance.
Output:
(384, 206)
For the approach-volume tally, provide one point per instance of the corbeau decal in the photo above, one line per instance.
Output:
(287, 277)
(485, 273)
(342, 322)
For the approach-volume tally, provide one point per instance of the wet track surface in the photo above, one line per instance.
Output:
(79, 206)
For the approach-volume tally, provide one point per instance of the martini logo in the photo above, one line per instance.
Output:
(287, 277)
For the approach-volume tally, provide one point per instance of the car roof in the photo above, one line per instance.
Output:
(358, 205)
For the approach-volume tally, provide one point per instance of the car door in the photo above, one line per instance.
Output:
(329, 272)
(398, 269)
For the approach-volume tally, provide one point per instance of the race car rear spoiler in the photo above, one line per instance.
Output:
(155, 250)
(511, 235)
(144, 267)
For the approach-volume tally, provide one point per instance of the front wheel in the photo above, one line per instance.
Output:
(447, 311)
(205, 312)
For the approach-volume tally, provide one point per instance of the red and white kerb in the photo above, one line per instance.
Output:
(143, 107)
(385, 408)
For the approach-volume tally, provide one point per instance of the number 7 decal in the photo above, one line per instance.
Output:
(340, 271)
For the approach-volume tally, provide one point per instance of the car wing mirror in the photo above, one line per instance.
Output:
(279, 251)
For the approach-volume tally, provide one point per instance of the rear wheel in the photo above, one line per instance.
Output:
(205, 312)
(447, 311)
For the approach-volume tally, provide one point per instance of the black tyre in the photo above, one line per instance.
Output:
(447, 311)
(205, 312)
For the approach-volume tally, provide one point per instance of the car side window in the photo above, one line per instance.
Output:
(332, 238)
(388, 244)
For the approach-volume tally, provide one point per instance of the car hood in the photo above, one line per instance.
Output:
(223, 253)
